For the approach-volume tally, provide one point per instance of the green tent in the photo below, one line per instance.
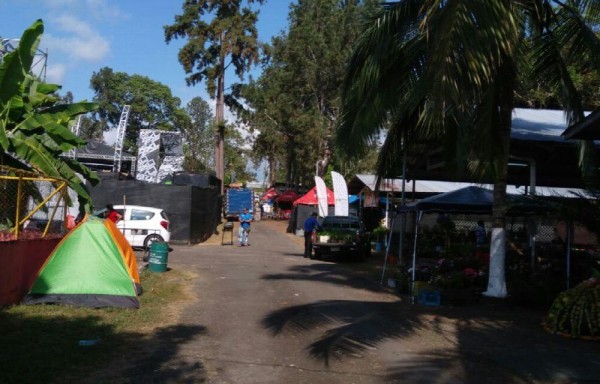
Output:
(93, 266)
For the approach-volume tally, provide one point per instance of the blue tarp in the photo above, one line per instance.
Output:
(468, 199)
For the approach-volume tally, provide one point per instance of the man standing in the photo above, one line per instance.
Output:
(310, 225)
(243, 232)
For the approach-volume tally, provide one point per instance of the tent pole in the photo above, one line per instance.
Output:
(569, 239)
(402, 203)
(414, 259)
(387, 252)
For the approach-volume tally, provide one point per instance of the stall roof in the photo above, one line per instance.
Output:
(468, 199)
(536, 138)
(588, 129)
(538, 124)
(359, 182)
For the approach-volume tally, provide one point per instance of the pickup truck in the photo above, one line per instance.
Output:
(345, 236)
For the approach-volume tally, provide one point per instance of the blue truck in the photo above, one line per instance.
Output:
(236, 199)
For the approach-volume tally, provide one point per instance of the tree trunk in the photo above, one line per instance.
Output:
(220, 122)
(497, 279)
(503, 106)
(324, 163)
(289, 165)
(271, 162)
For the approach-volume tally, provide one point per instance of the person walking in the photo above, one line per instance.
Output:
(245, 219)
(310, 225)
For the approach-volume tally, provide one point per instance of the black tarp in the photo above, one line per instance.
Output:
(194, 212)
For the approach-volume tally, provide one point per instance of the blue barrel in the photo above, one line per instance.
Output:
(159, 253)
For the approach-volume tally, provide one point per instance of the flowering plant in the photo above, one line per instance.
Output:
(456, 274)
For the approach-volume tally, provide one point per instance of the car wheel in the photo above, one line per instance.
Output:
(316, 254)
(147, 243)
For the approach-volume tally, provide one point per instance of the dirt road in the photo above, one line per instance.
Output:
(264, 314)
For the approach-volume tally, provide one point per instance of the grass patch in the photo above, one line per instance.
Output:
(40, 343)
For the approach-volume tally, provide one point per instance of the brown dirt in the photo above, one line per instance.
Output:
(274, 225)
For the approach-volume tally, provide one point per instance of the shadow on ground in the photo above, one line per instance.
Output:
(490, 342)
(328, 273)
(163, 361)
(46, 349)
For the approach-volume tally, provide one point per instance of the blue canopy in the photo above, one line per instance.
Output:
(469, 199)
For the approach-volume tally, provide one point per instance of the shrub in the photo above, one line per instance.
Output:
(576, 312)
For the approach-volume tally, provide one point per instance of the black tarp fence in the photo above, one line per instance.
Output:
(194, 212)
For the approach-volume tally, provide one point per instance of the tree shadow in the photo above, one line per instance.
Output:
(474, 344)
(353, 326)
(328, 273)
(164, 361)
(47, 349)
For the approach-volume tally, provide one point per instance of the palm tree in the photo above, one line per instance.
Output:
(432, 69)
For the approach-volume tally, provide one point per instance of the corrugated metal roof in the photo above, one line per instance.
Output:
(433, 186)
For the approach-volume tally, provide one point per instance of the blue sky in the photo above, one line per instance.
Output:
(82, 36)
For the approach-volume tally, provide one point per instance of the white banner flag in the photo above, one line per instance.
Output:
(321, 196)
(340, 192)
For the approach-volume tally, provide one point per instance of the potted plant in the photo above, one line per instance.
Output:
(458, 284)
(380, 234)
(334, 236)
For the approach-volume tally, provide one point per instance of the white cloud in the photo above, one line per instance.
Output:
(98, 9)
(80, 41)
(55, 73)
(110, 136)
(101, 9)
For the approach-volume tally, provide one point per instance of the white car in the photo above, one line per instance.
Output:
(141, 225)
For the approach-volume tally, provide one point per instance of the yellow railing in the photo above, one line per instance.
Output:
(23, 194)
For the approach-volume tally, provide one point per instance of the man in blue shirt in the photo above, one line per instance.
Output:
(243, 232)
(310, 225)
